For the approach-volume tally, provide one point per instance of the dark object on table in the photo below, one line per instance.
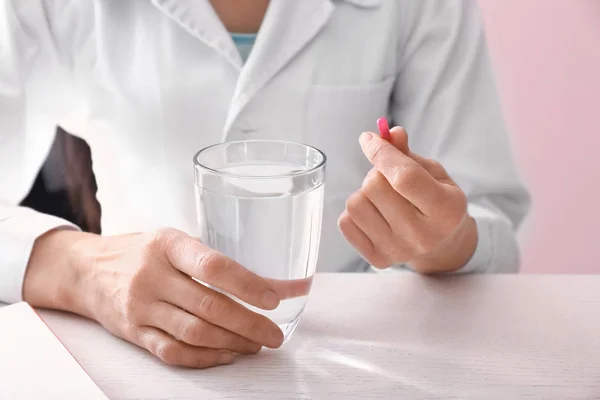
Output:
(66, 185)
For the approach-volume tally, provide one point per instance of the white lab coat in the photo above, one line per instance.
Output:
(154, 81)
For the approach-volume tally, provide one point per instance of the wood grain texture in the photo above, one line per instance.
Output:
(369, 336)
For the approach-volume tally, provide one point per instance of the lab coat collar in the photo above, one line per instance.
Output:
(199, 19)
(279, 40)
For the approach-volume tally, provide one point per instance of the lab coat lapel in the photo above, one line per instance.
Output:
(280, 38)
(199, 19)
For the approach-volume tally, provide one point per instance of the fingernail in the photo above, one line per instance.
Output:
(226, 357)
(365, 137)
(270, 300)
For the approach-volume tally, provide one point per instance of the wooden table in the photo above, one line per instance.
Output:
(388, 336)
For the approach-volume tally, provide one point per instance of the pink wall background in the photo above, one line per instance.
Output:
(547, 59)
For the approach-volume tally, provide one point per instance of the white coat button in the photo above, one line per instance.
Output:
(249, 131)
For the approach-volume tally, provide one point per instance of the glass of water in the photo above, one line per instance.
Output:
(260, 202)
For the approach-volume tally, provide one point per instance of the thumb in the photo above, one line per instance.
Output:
(400, 139)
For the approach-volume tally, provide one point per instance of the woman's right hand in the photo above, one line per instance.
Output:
(139, 287)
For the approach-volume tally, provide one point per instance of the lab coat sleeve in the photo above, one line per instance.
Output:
(34, 94)
(447, 100)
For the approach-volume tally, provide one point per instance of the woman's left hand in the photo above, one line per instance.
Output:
(408, 210)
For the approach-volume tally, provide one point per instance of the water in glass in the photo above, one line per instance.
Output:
(266, 214)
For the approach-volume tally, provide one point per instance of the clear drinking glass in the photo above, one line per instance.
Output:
(260, 202)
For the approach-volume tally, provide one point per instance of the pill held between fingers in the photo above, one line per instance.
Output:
(384, 129)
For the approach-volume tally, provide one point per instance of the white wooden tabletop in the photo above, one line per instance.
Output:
(388, 336)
